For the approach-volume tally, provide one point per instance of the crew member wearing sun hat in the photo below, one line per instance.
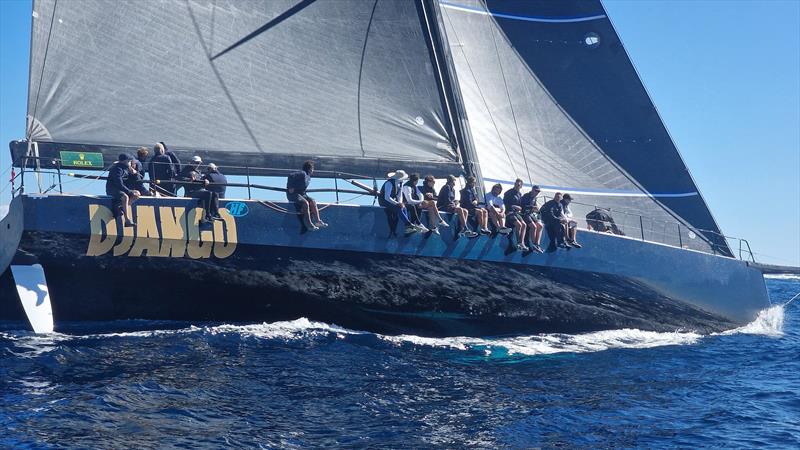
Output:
(390, 198)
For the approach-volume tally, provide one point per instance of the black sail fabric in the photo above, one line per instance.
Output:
(347, 79)
(551, 97)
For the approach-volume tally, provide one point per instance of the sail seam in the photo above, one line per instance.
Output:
(480, 92)
(603, 192)
(360, 73)
(510, 103)
(219, 78)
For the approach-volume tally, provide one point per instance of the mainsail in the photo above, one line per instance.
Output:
(243, 82)
(551, 97)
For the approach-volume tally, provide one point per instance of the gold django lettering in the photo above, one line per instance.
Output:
(165, 231)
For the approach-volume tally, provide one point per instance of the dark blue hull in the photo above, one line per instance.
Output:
(353, 275)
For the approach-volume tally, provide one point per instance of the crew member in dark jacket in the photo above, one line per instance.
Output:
(553, 218)
(120, 193)
(216, 183)
(513, 201)
(296, 186)
(530, 214)
(136, 182)
(160, 168)
(469, 201)
(446, 201)
(197, 189)
(176, 163)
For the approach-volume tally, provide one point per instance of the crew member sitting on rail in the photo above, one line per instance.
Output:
(189, 173)
(428, 188)
(600, 220)
(160, 168)
(197, 189)
(553, 218)
(530, 214)
(390, 198)
(415, 199)
(115, 187)
(469, 201)
(176, 163)
(512, 199)
(496, 209)
(136, 181)
(570, 226)
(446, 201)
(296, 186)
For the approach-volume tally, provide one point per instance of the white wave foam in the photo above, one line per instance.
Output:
(769, 322)
(782, 277)
(546, 344)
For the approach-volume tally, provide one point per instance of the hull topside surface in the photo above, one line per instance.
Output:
(257, 266)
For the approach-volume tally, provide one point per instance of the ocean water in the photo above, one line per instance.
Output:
(302, 384)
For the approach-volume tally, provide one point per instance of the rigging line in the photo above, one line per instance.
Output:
(508, 95)
(219, 78)
(44, 64)
(480, 92)
(360, 73)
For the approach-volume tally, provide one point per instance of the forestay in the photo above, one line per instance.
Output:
(551, 97)
(242, 82)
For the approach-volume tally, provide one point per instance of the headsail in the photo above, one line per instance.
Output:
(265, 81)
(552, 97)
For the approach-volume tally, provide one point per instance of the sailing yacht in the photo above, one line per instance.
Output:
(538, 90)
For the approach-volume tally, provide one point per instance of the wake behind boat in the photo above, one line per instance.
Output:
(494, 90)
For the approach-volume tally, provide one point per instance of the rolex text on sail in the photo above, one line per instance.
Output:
(163, 231)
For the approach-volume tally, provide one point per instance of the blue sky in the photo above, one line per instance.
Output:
(725, 76)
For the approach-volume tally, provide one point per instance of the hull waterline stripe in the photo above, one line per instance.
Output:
(601, 192)
(484, 12)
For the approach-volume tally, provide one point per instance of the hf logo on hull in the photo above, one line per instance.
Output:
(164, 231)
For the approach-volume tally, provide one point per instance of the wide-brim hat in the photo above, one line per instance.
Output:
(398, 175)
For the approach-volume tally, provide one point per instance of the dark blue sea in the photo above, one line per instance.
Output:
(303, 384)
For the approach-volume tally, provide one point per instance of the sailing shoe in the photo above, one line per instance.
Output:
(444, 224)
(504, 230)
(485, 231)
(411, 229)
(313, 228)
(575, 244)
(522, 248)
(470, 234)
(130, 223)
(321, 224)
(422, 228)
(217, 217)
(537, 248)
(435, 231)
(564, 245)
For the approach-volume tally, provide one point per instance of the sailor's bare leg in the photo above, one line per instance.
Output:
(305, 211)
(126, 206)
(537, 232)
(520, 228)
(314, 211)
(484, 218)
(462, 217)
(433, 213)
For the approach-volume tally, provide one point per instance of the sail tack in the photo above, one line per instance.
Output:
(350, 79)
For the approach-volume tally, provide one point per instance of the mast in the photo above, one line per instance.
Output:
(452, 95)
